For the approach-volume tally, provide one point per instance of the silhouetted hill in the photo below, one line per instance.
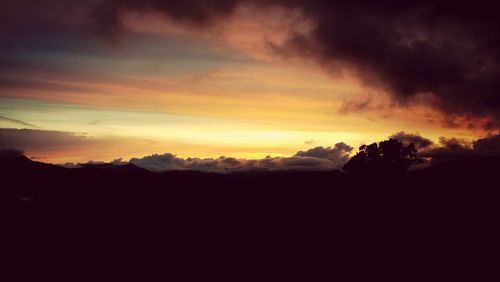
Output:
(225, 221)
(22, 175)
(22, 165)
(108, 168)
(478, 166)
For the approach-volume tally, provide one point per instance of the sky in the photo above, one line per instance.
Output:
(102, 80)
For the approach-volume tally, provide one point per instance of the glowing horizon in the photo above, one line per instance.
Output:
(199, 92)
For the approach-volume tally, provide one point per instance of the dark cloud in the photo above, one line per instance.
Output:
(445, 49)
(24, 20)
(415, 138)
(455, 148)
(451, 148)
(338, 152)
(488, 146)
(449, 50)
(33, 139)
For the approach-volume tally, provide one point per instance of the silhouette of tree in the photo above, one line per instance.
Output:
(389, 156)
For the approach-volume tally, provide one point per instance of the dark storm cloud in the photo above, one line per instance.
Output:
(449, 50)
(488, 146)
(451, 148)
(415, 138)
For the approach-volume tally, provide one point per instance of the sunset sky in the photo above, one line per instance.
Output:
(101, 80)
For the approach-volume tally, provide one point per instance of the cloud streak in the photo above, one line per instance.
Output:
(35, 139)
(18, 122)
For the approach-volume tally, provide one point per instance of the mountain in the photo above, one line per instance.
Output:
(477, 166)
(21, 165)
(22, 175)
(108, 168)
(273, 218)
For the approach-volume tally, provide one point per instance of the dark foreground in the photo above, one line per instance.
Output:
(434, 223)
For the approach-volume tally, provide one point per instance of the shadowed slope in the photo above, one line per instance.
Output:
(246, 221)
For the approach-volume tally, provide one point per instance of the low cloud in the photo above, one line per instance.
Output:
(35, 139)
(45, 142)
(454, 148)
(323, 158)
(449, 149)
(488, 146)
(318, 158)
(314, 159)
(339, 152)
(415, 138)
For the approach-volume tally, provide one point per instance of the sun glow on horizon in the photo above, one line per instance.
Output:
(197, 93)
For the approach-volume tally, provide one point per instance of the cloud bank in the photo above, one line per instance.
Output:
(318, 158)
(449, 149)
(315, 159)
(58, 142)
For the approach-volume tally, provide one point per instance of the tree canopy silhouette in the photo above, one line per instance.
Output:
(389, 156)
